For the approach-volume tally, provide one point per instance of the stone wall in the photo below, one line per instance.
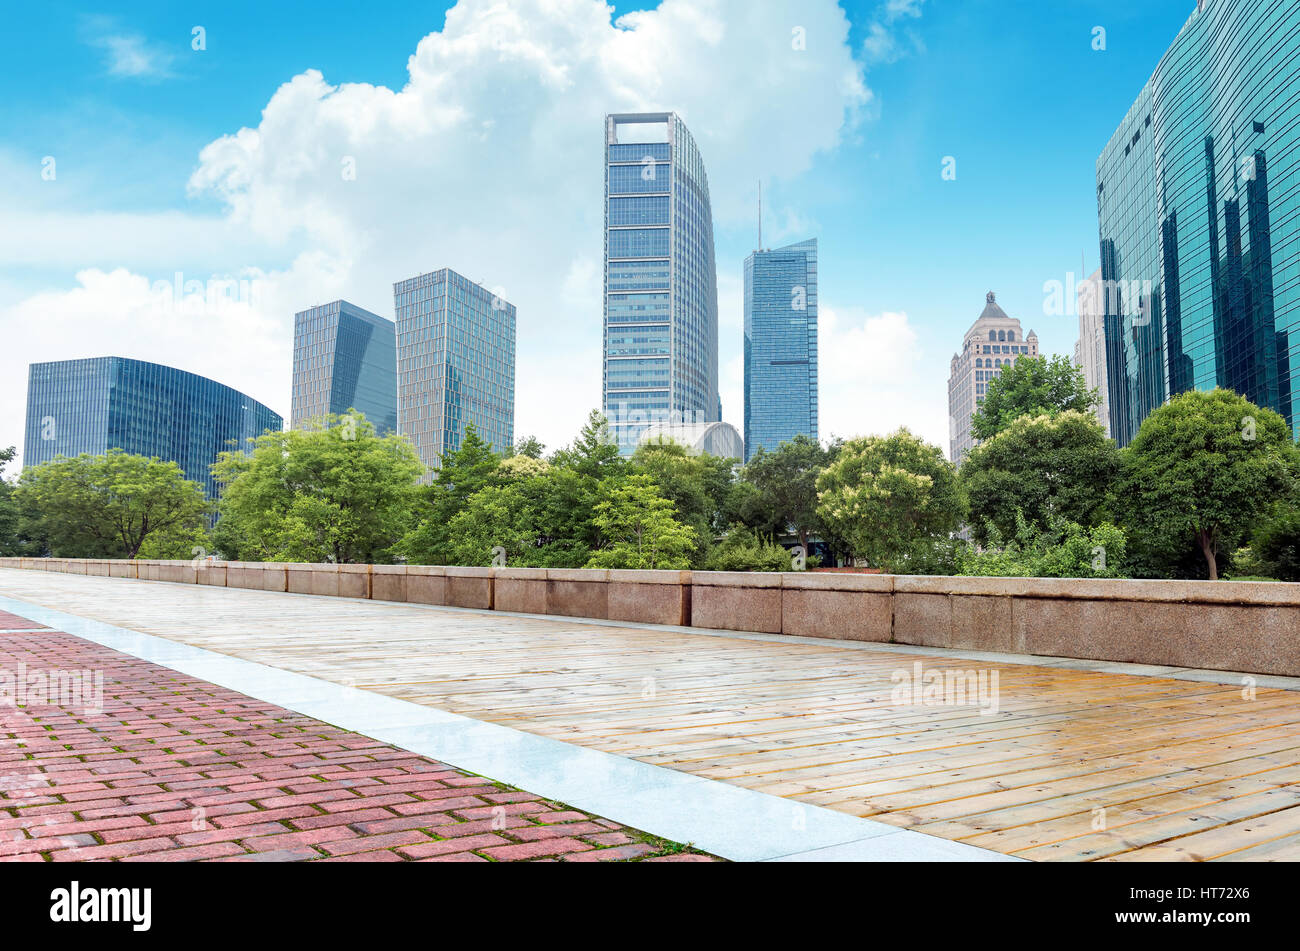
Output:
(1222, 625)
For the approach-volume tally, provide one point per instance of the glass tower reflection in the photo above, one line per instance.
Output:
(1197, 195)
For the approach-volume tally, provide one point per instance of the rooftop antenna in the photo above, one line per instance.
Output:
(760, 214)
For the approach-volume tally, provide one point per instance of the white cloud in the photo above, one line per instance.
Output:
(126, 54)
(887, 41)
(876, 376)
(486, 161)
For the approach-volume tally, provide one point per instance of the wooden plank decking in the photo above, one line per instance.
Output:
(1074, 765)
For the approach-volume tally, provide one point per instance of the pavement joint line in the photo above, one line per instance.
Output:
(728, 821)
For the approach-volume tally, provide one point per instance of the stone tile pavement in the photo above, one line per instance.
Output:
(106, 757)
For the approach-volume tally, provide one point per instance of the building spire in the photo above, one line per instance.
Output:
(760, 214)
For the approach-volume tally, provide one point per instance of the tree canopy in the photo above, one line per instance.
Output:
(113, 505)
(785, 483)
(889, 497)
(1204, 470)
(338, 493)
(1043, 467)
(1031, 386)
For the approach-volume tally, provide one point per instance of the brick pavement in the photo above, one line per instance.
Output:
(167, 767)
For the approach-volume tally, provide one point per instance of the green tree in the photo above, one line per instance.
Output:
(1203, 472)
(1032, 386)
(890, 498)
(638, 524)
(785, 481)
(112, 506)
(338, 493)
(1276, 544)
(699, 486)
(529, 446)
(10, 542)
(594, 453)
(542, 521)
(744, 549)
(1042, 467)
(468, 469)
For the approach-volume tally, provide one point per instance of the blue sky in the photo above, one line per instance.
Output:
(1011, 89)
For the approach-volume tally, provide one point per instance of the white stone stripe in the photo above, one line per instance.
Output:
(734, 823)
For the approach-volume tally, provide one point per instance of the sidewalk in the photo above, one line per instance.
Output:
(177, 769)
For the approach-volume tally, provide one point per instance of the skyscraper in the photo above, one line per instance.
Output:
(780, 345)
(344, 358)
(455, 363)
(1090, 348)
(994, 341)
(1199, 248)
(94, 405)
(661, 296)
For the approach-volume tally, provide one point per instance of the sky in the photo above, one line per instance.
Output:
(284, 155)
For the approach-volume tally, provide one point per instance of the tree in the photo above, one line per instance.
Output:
(1203, 471)
(529, 446)
(113, 506)
(1043, 467)
(890, 498)
(746, 550)
(461, 473)
(1032, 386)
(594, 453)
(1276, 544)
(338, 493)
(786, 484)
(638, 524)
(10, 543)
(699, 486)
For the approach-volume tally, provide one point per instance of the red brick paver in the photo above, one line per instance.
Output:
(177, 769)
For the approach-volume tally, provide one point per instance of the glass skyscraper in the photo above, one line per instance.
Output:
(780, 345)
(455, 363)
(1197, 195)
(344, 358)
(661, 294)
(76, 406)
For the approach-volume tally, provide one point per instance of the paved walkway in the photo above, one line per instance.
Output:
(165, 767)
(1050, 760)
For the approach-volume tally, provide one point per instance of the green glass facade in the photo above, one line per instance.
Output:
(91, 406)
(1198, 197)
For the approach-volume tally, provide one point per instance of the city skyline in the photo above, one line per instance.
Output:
(851, 97)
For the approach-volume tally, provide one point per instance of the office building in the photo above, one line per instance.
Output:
(993, 342)
(1196, 198)
(455, 363)
(1090, 348)
(660, 294)
(780, 345)
(344, 358)
(94, 405)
